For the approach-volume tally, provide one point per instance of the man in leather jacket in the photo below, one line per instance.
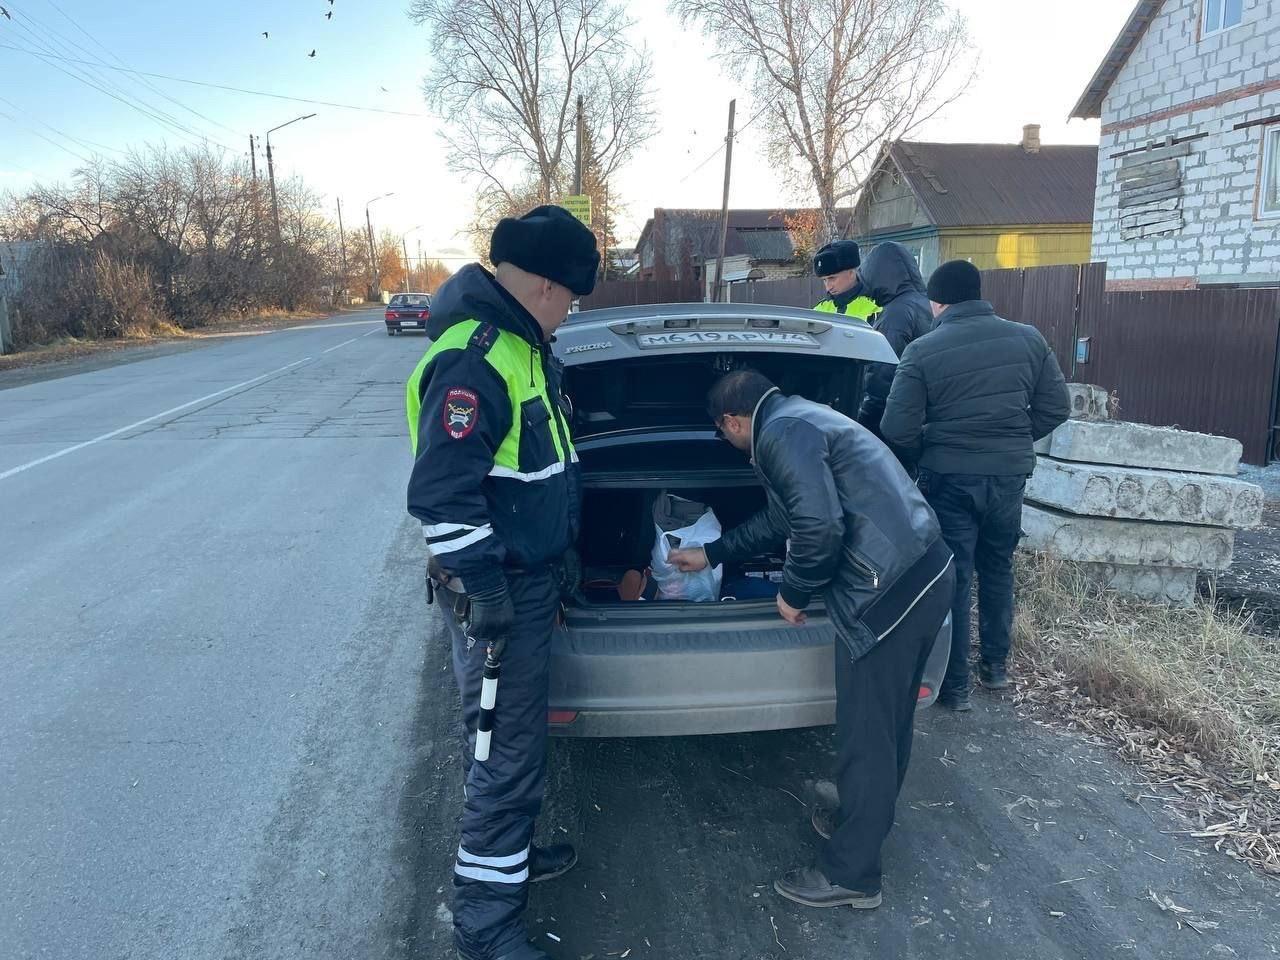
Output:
(861, 536)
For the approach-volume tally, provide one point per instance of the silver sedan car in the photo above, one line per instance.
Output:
(637, 378)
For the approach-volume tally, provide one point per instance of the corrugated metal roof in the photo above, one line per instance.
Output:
(985, 184)
(1090, 105)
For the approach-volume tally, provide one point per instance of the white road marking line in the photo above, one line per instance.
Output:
(352, 340)
(133, 426)
(343, 343)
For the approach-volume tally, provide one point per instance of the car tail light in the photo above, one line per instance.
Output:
(389, 316)
(925, 693)
(424, 314)
(561, 718)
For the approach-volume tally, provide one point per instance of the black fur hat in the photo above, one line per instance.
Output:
(550, 242)
(836, 256)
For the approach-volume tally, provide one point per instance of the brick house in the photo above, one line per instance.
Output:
(1188, 190)
(683, 244)
(994, 204)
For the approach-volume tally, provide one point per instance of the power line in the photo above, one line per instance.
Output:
(759, 113)
(87, 144)
(96, 81)
(56, 43)
(223, 86)
(37, 133)
(147, 83)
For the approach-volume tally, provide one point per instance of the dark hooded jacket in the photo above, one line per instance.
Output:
(892, 279)
(484, 506)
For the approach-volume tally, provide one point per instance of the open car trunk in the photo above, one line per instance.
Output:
(642, 429)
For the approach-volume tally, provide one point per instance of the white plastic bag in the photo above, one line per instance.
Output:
(672, 584)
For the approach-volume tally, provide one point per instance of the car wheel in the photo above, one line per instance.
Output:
(391, 333)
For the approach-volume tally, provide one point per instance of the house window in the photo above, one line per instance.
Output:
(1270, 201)
(1222, 15)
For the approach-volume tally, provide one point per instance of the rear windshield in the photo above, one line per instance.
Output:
(411, 300)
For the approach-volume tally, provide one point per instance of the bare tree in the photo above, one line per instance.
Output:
(836, 79)
(508, 73)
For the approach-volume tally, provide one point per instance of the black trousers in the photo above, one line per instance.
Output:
(981, 520)
(875, 716)
(503, 795)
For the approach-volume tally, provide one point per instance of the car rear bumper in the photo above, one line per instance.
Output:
(406, 324)
(631, 680)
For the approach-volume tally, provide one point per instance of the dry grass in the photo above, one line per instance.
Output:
(1191, 694)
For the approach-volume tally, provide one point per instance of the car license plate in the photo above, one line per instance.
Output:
(720, 338)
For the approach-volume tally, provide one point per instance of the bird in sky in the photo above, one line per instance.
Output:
(265, 35)
(312, 54)
(384, 89)
(329, 15)
(5, 13)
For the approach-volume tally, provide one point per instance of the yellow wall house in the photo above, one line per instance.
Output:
(996, 205)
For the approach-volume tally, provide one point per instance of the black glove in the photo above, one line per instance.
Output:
(569, 573)
(491, 614)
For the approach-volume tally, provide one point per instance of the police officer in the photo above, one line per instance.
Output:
(495, 483)
(837, 264)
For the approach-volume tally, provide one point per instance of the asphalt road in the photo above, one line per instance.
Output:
(226, 724)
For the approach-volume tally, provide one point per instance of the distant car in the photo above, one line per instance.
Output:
(408, 311)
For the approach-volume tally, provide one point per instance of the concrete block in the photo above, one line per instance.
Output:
(1088, 402)
(1140, 445)
(1176, 585)
(1132, 493)
(1132, 542)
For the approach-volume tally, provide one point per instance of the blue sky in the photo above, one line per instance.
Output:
(1037, 55)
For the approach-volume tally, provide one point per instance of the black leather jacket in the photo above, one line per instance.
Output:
(858, 530)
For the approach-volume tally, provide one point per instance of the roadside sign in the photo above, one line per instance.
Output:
(580, 206)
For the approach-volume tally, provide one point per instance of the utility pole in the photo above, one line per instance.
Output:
(404, 245)
(275, 203)
(271, 173)
(724, 205)
(342, 243)
(253, 158)
(373, 252)
(577, 164)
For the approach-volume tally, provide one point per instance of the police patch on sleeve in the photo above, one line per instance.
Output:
(461, 411)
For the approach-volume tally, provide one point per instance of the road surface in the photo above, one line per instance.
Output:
(226, 723)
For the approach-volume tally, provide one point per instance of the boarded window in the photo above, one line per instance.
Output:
(1151, 191)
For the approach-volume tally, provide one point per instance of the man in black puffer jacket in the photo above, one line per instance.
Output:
(891, 278)
(971, 398)
(860, 535)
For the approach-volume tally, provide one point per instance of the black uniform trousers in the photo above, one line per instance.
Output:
(503, 795)
(876, 699)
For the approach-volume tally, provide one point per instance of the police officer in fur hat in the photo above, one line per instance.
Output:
(837, 264)
(495, 484)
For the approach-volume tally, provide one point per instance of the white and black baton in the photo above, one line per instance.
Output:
(488, 698)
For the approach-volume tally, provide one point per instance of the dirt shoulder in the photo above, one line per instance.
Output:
(71, 357)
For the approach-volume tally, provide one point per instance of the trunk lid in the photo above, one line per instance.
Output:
(636, 375)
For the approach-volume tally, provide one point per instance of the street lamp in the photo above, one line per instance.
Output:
(404, 245)
(271, 173)
(373, 253)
